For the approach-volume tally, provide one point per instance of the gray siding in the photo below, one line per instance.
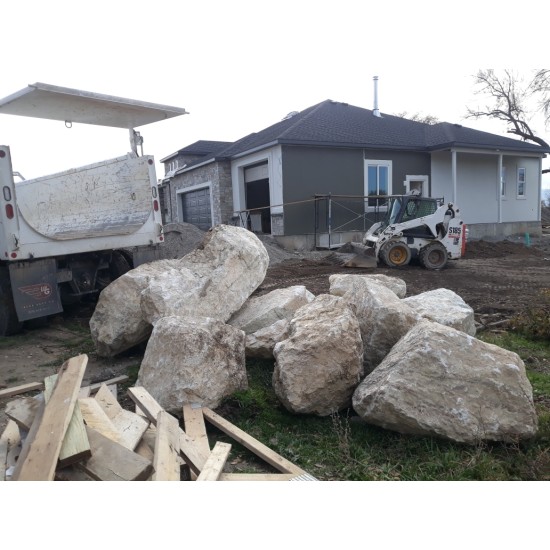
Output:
(308, 171)
(403, 164)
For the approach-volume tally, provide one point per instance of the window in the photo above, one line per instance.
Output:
(377, 180)
(503, 182)
(521, 183)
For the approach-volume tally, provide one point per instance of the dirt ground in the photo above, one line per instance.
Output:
(497, 279)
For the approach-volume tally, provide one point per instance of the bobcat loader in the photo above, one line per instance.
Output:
(414, 226)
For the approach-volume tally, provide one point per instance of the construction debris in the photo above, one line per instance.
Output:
(69, 433)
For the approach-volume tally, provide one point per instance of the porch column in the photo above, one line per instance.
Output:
(499, 189)
(453, 174)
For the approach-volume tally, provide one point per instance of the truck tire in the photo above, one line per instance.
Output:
(9, 323)
(433, 256)
(119, 265)
(396, 254)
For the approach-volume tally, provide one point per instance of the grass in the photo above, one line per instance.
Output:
(342, 447)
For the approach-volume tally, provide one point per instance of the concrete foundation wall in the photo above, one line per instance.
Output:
(501, 231)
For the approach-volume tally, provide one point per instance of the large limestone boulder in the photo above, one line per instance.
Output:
(214, 280)
(117, 324)
(383, 317)
(260, 344)
(318, 367)
(262, 311)
(442, 382)
(197, 361)
(340, 283)
(446, 307)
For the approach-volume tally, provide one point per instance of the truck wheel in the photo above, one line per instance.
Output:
(396, 254)
(433, 256)
(9, 323)
(119, 265)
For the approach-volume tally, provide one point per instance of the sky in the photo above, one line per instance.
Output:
(238, 67)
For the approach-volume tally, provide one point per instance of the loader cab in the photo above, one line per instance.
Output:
(403, 208)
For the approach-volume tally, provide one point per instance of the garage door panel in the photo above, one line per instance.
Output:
(196, 209)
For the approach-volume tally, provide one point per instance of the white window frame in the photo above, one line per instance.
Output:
(521, 171)
(378, 163)
(425, 184)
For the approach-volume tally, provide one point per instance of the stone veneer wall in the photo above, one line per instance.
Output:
(218, 175)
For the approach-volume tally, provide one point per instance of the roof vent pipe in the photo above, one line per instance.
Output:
(376, 111)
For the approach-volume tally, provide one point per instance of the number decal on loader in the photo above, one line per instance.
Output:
(455, 231)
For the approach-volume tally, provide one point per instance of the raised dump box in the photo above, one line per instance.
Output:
(69, 234)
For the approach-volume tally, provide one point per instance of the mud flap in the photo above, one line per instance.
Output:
(34, 288)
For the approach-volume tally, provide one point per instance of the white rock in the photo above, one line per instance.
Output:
(318, 367)
(439, 381)
(262, 311)
(198, 361)
(261, 343)
(446, 307)
(340, 283)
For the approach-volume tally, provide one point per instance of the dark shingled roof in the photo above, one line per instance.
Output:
(335, 124)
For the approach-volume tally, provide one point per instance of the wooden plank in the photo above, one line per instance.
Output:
(75, 445)
(165, 463)
(72, 473)
(258, 448)
(215, 463)
(22, 411)
(113, 462)
(145, 451)
(131, 426)
(24, 388)
(192, 455)
(116, 380)
(196, 430)
(41, 449)
(256, 477)
(195, 427)
(96, 418)
(9, 440)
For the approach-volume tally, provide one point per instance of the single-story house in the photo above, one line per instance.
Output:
(317, 171)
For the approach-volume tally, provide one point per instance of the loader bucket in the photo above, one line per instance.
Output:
(364, 258)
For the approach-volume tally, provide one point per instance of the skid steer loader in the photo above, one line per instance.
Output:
(414, 226)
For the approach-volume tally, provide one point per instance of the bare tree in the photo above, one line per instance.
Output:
(515, 100)
(417, 117)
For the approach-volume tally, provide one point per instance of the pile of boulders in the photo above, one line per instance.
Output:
(410, 364)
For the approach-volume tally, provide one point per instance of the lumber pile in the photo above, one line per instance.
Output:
(73, 433)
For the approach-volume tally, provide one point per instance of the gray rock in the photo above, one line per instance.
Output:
(340, 283)
(261, 343)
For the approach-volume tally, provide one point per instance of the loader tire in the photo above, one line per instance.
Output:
(433, 256)
(396, 254)
(9, 323)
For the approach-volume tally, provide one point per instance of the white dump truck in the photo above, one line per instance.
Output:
(68, 235)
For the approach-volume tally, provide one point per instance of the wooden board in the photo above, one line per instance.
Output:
(24, 388)
(258, 448)
(75, 444)
(256, 477)
(195, 427)
(95, 418)
(215, 462)
(192, 455)
(22, 411)
(40, 451)
(113, 462)
(9, 440)
(165, 463)
(131, 426)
